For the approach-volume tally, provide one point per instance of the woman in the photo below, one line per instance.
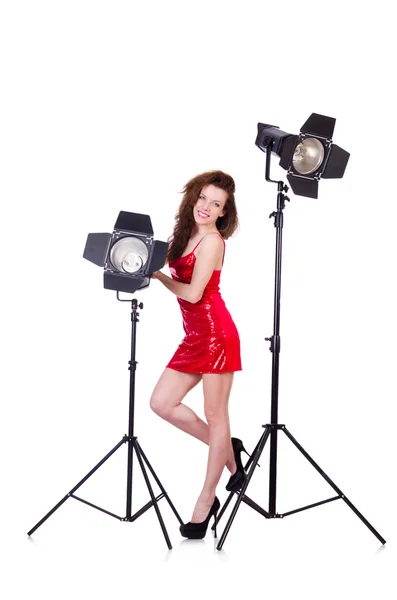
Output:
(210, 351)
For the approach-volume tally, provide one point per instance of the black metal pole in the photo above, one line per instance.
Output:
(132, 369)
(275, 339)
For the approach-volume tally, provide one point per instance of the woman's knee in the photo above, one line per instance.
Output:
(215, 415)
(170, 390)
(158, 404)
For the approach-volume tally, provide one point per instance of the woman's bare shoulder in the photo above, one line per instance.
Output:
(211, 242)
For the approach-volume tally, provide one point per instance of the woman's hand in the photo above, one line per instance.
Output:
(155, 274)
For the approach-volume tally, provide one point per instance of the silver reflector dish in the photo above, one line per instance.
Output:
(308, 156)
(129, 255)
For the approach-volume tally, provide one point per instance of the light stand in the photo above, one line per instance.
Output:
(272, 428)
(132, 442)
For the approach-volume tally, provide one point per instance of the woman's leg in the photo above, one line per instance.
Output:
(216, 397)
(166, 401)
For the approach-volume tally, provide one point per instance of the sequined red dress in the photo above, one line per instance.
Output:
(211, 343)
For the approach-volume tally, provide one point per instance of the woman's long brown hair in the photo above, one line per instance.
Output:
(185, 222)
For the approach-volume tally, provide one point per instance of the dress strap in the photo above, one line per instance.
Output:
(224, 244)
(217, 232)
(197, 244)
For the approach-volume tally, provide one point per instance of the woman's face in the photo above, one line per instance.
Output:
(210, 205)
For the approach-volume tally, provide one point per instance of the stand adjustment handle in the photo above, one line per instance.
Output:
(272, 345)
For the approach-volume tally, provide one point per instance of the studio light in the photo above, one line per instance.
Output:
(307, 157)
(129, 255)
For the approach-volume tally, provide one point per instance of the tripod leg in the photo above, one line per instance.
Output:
(76, 487)
(158, 482)
(331, 483)
(255, 458)
(154, 501)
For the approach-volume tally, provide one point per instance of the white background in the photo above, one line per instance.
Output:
(109, 106)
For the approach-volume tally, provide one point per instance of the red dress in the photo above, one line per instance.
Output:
(211, 343)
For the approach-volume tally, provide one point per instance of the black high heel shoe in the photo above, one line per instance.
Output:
(196, 531)
(237, 479)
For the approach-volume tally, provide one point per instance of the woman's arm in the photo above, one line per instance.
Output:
(208, 254)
